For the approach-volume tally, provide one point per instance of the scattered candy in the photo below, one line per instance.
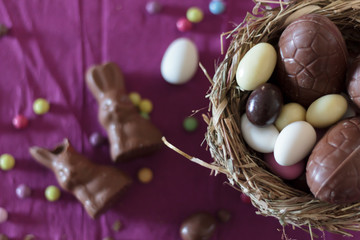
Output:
(23, 191)
(145, 175)
(183, 24)
(3, 215)
(135, 98)
(190, 124)
(146, 106)
(153, 7)
(96, 139)
(20, 121)
(245, 198)
(117, 226)
(7, 162)
(41, 106)
(52, 193)
(180, 61)
(198, 226)
(194, 14)
(3, 30)
(3, 237)
(217, 7)
(223, 215)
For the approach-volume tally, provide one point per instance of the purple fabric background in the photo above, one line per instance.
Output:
(50, 46)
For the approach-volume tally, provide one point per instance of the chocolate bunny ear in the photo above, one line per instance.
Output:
(46, 157)
(105, 78)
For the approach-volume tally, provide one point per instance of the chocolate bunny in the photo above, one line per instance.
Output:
(130, 135)
(96, 186)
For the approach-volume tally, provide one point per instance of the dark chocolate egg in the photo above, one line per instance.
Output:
(333, 168)
(312, 59)
(264, 104)
(353, 79)
(199, 226)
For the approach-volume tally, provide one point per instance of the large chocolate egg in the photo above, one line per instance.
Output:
(353, 79)
(312, 59)
(333, 168)
(199, 226)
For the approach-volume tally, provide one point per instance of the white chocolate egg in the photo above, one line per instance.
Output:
(180, 61)
(294, 143)
(256, 67)
(261, 139)
(326, 110)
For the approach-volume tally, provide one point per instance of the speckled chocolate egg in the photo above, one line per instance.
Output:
(199, 226)
(333, 168)
(312, 59)
(353, 79)
(264, 104)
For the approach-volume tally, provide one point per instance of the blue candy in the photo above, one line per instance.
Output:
(217, 7)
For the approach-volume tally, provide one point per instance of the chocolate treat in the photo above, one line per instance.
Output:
(199, 226)
(353, 80)
(3, 30)
(333, 169)
(97, 187)
(312, 59)
(130, 135)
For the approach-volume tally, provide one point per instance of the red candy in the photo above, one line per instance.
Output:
(20, 121)
(183, 24)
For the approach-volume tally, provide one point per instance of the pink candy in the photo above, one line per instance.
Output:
(3, 215)
(20, 121)
(183, 24)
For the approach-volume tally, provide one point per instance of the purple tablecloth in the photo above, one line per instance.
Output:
(50, 46)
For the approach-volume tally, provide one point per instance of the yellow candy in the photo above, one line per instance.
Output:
(7, 162)
(194, 14)
(145, 175)
(290, 113)
(135, 98)
(145, 106)
(256, 67)
(52, 193)
(41, 106)
(326, 110)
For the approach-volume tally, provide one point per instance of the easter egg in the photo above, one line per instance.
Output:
(312, 59)
(294, 143)
(198, 226)
(285, 172)
(180, 61)
(326, 110)
(333, 169)
(264, 104)
(353, 79)
(256, 67)
(290, 112)
(261, 139)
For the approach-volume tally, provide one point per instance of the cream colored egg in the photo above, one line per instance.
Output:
(256, 67)
(294, 143)
(326, 110)
(290, 113)
(261, 139)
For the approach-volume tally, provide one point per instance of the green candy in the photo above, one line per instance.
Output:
(52, 193)
(190, 124)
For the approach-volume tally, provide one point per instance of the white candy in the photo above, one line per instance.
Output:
(256, 67)
(261, 139)
(180, 61)
(294, 143)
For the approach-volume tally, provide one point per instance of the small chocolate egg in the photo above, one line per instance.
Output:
(256, 67)
(326, 110)
(199, 226)
(312, 59)
(264, 104)
(333, 169)
(285, 172)
(353, 79)
(290, 112)
(261, 139)
(294, 143)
